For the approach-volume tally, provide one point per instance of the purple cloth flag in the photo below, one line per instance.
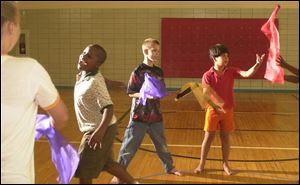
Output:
(64, 156)
(152, 87)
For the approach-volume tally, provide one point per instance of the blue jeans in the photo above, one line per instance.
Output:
(134, 136)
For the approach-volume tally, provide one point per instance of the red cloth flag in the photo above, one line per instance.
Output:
(274, 73)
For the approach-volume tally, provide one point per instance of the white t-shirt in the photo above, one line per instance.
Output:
(25, 85)
(90, 98)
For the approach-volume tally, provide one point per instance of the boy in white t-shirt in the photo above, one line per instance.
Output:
(25, 85)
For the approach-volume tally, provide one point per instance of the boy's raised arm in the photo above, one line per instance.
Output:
(254, 68)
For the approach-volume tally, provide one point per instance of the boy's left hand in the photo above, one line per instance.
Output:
(259, 59)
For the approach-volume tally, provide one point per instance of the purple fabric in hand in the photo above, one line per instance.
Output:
(64, 156)
(152, 87)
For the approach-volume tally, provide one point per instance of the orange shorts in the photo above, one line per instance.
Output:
(213, 120)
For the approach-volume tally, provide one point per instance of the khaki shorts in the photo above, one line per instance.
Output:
(92, 162)
(223, 120)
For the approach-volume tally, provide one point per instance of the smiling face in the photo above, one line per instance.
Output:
(88, 60)
(219, 53)
(153, 52)
(222, 60)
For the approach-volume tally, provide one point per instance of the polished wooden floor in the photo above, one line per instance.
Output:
(264, 146)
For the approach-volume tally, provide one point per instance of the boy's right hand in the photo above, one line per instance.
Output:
(150, 97)
(218, 109)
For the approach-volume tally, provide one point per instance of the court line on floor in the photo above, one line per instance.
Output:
(187, 172)
(199, 146)
(237, 112)
(242, 130)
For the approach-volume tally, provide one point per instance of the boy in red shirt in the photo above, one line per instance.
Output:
(220, 79)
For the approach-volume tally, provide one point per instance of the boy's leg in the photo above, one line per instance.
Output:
(120, 172)
(91, 161)
(212, 119)
(225, 151)
(208, 138)
(85, 181)
(157, 135)
(133, 138)
(227, 125)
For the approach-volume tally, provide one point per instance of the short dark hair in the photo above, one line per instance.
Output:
(217, 50)
(101, 53)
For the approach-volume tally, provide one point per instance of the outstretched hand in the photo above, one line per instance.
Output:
(280, 61)
(260, 59)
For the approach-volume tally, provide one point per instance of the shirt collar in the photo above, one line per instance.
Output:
(215, 72)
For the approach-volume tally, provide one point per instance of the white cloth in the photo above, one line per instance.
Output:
(25, 85)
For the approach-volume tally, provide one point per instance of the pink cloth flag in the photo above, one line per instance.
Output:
(274, 73)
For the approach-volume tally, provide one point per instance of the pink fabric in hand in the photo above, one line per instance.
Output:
(274, 73)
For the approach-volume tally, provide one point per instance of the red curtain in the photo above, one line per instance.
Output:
(186, 41)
